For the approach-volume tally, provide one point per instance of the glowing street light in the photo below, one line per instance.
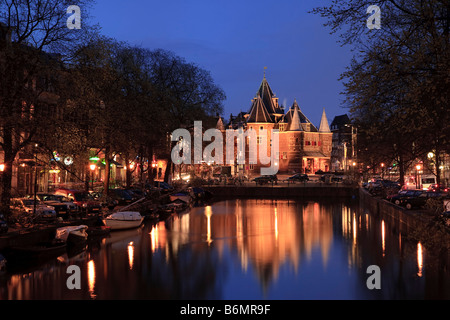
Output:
(2, 167)
(418, 167)
(92, 167)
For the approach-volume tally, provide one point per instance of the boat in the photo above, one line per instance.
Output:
(123, 220)
(72, 235)
(36, 252)
(182, 195)
(98, 231)
(199, 193)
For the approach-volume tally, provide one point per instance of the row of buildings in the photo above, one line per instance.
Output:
(303, 148)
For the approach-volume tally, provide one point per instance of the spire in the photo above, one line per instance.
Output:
(324, 127)
(295, 118)
(220, 125)
(295, 124)
(267, 95)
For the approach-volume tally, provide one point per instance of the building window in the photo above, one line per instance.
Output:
(259, 140)
(284, 156)
(307, 143)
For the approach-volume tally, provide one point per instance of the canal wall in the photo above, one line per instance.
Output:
(279, 192)
(418, 225)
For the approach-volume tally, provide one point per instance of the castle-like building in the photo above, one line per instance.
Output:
(303, 148)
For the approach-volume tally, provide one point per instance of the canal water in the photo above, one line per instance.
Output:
(244, 249)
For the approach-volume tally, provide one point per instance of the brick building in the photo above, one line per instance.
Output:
(303, 147)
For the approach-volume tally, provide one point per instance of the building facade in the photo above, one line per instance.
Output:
(303, 148)
(343, 154)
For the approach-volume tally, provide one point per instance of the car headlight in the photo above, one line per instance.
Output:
(84, 205)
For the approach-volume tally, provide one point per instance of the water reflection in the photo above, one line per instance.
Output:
(91, 278)
(419, 259)
(243, 249)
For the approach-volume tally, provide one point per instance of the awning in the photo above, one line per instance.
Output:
(314, 154)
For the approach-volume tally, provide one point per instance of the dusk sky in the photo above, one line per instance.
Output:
(235, 40)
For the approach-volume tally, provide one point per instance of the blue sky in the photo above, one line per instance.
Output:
(235, 40)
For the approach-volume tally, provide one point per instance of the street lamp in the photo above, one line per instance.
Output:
(35, 179)
(418, 167)
(92, 167)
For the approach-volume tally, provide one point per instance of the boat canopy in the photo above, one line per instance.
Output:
(63, 232)
(126, 215)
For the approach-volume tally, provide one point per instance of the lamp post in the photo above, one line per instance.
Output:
(418, 167)
(92, 167)
(35, 179)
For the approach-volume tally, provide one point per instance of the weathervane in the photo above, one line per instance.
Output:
(265, 68)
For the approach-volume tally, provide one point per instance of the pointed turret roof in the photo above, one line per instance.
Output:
(303, 119)
(220, 125)
(268, 97)
(295, 123)
(258, 111)
(324, 127)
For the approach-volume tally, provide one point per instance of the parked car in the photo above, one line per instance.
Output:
(163, 186)
(438, 188)
(3, 224)
(62, 209)
(328, 178)
(300, 177)
(109, 202)
(27, 206)
(121, 196)
(82, 199)
(266, 179)
(136, 193)
(420, 200)
(402, 194)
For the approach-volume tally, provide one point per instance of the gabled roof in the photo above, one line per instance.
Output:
(258, 111)
(341, 120)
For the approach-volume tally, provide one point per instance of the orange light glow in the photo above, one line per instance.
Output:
(91, 278)
(383, 243)
(92, 167)
(131, 254)
(419, 259)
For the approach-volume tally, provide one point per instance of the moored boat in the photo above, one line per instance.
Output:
(98, 231)
(182, 195)
(34, 252)
(72, 235)
(123, 220)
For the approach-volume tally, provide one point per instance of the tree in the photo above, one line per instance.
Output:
(185, 93)
(34, 40)
(399, 73)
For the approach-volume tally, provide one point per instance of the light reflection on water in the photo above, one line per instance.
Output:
(244, 249)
